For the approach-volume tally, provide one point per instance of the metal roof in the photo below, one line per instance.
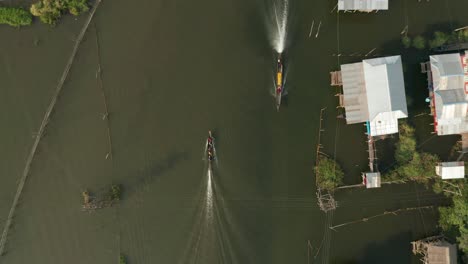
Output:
(451, 170)
(443, 253)
(372, 179)
(363, 5)
(450, 98)
(374, 91)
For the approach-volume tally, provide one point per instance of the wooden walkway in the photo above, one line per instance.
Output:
(372, 154)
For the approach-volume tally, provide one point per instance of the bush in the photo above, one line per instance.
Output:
(419, 42)
(328, 173)
(15, 16)
(49, 11)
(406, 41)
(440, 38)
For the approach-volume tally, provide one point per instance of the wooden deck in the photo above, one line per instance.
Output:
(371, 150)
(336, 78)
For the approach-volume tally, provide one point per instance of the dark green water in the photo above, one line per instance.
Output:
(171, 71)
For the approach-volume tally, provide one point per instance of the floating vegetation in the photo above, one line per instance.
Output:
(122, 259)
(107, 198)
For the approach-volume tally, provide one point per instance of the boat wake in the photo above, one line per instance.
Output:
(209, 241)
(280, 9)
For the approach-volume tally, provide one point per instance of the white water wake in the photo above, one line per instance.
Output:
(281, 9)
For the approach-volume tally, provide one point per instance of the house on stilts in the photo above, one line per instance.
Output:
(373, 94)
(447, 76)
(435, 250)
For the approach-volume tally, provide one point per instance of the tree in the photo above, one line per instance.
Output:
(411, 164)
(328, 173)
(440, 38)
(456, 218)
(419, 42)
(49, 11)
(406, 41)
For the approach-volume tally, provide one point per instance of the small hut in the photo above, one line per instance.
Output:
(451, 170)
(371, 179)
(435, 250)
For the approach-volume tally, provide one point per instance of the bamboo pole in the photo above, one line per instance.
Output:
(103, 93)
(365, 219)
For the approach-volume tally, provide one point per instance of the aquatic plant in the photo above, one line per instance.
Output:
(122, 259)
(419, 42)
(49, 11)
(15, 16)
(328, 173)
(406, 41)
(115, 192)
(86, 197)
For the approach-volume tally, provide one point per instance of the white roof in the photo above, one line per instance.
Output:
(372, 179)
(451, 170)
(450, 99)
(363, 5)
(374, 91)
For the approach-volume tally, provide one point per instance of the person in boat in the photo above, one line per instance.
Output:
(210, 155)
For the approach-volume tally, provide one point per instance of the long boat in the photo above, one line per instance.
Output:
(279, 82)
(210, 150)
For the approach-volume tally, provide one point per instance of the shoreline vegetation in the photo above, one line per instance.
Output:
(413, 165)
(48, 11)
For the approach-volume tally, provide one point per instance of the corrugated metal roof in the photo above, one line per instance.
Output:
(372, 179)
(364, 5)
(374, 91)
(451, 101)
(354, 93)
(451, 170)
(441, 254)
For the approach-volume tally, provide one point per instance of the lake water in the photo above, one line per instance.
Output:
(172, 70)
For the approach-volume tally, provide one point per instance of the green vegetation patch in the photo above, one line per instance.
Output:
(455, 218)
(411, 164)
(49, 11)
(15, 16)
(406, 41)
(115, 192)
(328, 173)
(419, 42)
(122, 259)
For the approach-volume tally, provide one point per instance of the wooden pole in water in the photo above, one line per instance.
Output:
(42, 128)
(318, 30)
(101, 86)
(311, 28)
